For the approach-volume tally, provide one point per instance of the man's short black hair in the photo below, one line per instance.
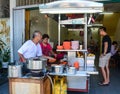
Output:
(45, 36)
(114, 42)
(103, 28)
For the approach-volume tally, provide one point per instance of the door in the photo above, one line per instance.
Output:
(18, 31)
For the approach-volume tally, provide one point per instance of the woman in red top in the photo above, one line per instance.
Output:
(46, 47)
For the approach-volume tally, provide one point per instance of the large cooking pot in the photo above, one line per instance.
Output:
(57, 68)
(37, 64)
(14, 71)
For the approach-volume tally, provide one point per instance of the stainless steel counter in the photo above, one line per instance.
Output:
(81, 72)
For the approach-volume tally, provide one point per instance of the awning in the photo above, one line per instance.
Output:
(71, 6)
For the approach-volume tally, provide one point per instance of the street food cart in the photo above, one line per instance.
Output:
(80, 80)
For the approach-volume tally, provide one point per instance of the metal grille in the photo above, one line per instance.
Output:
(31, 2)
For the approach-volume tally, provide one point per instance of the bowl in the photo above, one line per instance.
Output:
(71, 70)
(59, 47)
(52, 60)
(57, 68)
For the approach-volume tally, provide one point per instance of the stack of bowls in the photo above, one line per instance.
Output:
(74, 45)
(67, 45)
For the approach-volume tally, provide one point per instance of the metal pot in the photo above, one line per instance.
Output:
(71, 70)
(14, 71)
(57, 68)
(36, 64)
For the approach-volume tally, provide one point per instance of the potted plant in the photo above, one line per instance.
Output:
(2, 45)
(5, 58)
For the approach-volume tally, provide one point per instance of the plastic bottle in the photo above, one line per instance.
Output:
(76, 65)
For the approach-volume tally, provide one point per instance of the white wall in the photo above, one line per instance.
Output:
(46, 25)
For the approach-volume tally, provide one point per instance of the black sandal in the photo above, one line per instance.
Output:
(102, 84)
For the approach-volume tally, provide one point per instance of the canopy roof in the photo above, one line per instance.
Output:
(107, 1)
(71, 6)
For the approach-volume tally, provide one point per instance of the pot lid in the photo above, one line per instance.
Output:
(71, 6)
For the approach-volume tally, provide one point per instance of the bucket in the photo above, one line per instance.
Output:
(14, 71)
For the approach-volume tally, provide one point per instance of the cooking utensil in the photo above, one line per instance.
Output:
(71, 70)
(57, 68)
(59, 47)
(37, 64)
(14, 71)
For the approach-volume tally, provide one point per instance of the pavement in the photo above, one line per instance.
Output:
(4, 88)
(113, 88)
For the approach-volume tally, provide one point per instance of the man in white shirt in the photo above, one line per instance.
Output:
(31, 48)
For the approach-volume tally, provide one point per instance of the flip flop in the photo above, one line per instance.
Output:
(102, 84)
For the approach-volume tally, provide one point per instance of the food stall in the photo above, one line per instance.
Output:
(65, 78)
(35, 81)
(79, 80)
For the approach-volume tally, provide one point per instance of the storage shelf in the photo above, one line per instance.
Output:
(72, 50)
(73, 21)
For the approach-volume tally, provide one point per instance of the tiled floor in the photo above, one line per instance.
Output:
(113, 88)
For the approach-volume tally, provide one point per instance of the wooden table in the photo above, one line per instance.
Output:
(29, 86)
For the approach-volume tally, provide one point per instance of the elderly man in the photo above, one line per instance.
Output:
(105, 56)
(31, 48)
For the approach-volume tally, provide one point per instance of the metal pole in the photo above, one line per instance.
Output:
(85, 41)
(85, 32)
(59, 17)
